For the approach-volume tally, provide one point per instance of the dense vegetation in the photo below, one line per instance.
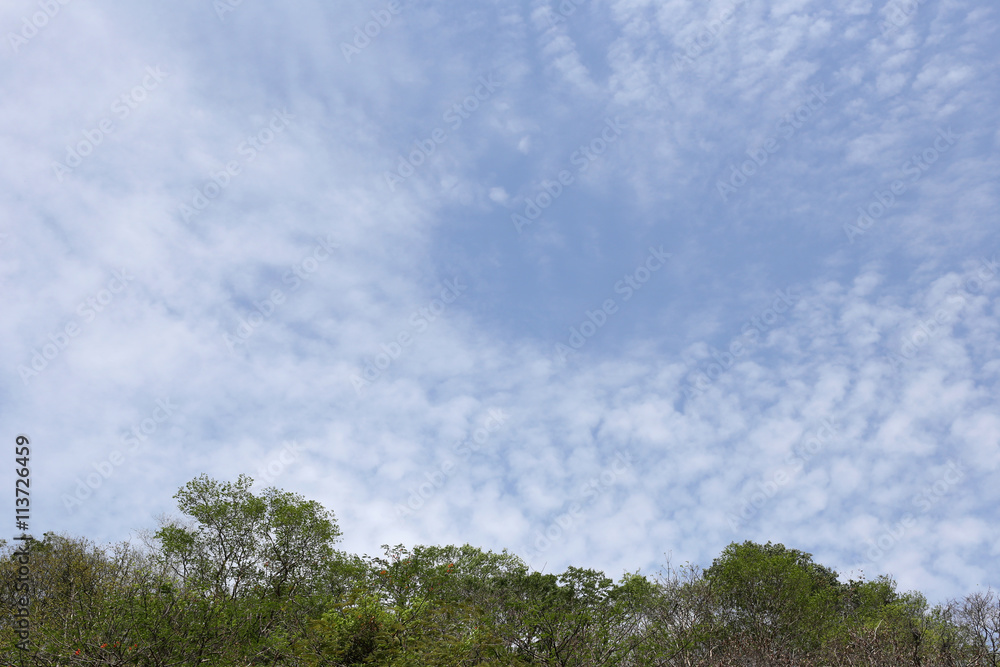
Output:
(255, 580)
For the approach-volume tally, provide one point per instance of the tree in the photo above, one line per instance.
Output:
(680, 623)
(254, 580)
(864, 602)
(775, 595)
(243, 543)
(577, 618)
(80, 599)
(979, 613)
(250, 570)
(420, 606)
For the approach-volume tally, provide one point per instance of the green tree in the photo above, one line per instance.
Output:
(774, 595)
(249, 571)
(254, 580)
(80, 599)
(242, 543)
(579, 617)
(409, 607)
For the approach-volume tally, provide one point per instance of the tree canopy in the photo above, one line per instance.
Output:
(251, 579)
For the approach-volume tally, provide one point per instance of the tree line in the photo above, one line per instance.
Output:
(256, 580)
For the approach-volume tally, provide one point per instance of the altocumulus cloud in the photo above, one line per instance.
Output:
(233, 243)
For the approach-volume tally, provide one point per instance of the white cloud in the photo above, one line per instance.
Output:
(696, 456)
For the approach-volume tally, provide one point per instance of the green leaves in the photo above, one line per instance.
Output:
(254, 579)
(775, 593)
(241, 542)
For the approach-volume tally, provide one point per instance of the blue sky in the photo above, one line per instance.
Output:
(594, 281)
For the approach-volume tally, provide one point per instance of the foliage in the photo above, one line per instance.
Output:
(275, 544)
(255, 580)
(772, 593)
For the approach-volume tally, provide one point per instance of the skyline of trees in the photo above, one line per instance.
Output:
(256, 579)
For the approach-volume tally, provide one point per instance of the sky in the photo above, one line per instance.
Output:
(605, 283)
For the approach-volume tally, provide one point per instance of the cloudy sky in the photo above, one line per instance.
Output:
(596, 281)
